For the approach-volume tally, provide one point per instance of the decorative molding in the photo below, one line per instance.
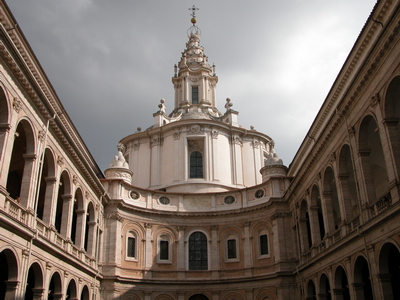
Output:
(255, 144)
(136, 145)
(156, 140)
(375, 100)
(115, 216)
(176, 135)
(214, 134)
(194, 146)
(236, 140)
(195, 128)
(17, 105)
(41, 135)
(60, 160)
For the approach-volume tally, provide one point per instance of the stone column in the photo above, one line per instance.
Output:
(214, 253)
(181, 256)
(27, 193)
(328, 211)
(148, 250)
(113, 251)
(66, 218)
(247, 249)
(50, 202)
(91, 245)
(314, 225)
(80, 228)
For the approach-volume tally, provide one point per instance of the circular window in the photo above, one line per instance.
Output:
(259, 194)
(134, 195)
(229, 200)
(164, 200)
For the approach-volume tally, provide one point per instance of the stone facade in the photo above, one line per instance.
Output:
(196, 206)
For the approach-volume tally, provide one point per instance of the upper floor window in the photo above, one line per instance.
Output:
(131, 246)
(164, 250)
(231, 244)
(264, 244)
(196, 165)
(198, 258)
(195, 95)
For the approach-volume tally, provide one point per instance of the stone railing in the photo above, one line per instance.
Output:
(381, 205)
(26, 217)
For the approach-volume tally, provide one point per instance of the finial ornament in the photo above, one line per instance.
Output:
(193, 14)
(194, 30)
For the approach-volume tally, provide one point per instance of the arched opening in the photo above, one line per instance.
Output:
(304, 226)
(362, 280)
(196, 165)
(316, 216)
(46, 187)
(55, 289)
(324, 288)
(341, 289)
(71, 290)
(78, 218)
(332, 208)
(389, 269)
(311, 294)
(90, 230)
(85, 293)
(63, 201)
(4, 115)
(373, 160)
(34, 283)
(348, 183)
(392, 116)
(8, 274)
(21, 164)
(198, 297)
(198, 257)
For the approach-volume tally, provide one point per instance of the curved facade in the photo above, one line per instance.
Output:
(196, 206)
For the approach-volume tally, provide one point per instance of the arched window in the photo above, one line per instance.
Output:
(196, 165)
(198, 258)
(131, 249)
(362, 278)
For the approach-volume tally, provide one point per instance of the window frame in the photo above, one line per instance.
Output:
(196, 166)
(164, 238)
(237, 257)
(207, 251)
(131, 235)
(260, 254)
(195, 91)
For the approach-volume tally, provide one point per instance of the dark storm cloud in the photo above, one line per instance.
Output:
(112, 61)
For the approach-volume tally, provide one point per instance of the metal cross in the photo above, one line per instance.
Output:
(193, 9)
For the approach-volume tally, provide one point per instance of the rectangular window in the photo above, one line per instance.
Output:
(263, 244)
(131, 247)
(195, 95)
(164, 250)
(231, 249)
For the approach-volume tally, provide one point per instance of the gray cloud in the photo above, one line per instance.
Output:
(111, 61)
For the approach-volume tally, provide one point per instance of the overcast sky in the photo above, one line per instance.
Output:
(111, 61)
